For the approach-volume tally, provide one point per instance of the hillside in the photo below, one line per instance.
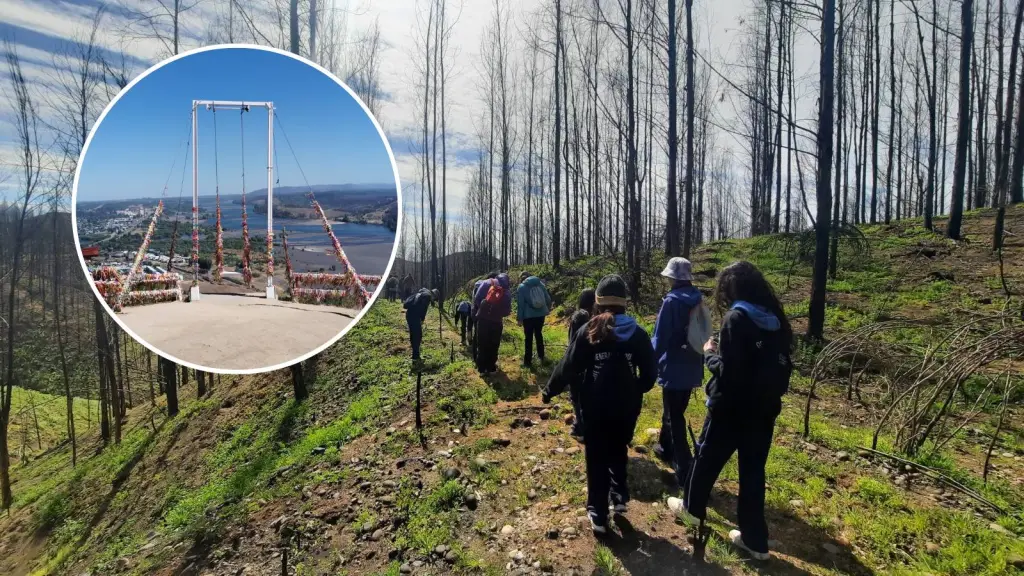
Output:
(246, 481)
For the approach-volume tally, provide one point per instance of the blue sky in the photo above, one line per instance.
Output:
(144, 134)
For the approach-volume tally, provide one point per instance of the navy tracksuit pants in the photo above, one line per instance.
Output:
(673, 438)
(606, 448)
(750, 436)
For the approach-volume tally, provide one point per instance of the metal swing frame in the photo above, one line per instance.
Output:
(243, 106)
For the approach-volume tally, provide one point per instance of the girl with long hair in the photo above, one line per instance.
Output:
(750, 367)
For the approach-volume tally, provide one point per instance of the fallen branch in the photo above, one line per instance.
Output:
(937, 475)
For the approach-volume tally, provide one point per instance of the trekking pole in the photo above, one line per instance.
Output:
(700, 542)
(693, 438)
(419, 420)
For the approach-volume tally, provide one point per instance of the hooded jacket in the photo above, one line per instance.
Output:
(494, 313)
(737, 382)
(679, 366)
(417, 305)
(524, 304)
(614, 374)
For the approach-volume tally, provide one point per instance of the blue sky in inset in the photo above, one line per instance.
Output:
(133, 150)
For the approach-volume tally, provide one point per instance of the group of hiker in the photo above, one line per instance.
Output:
(480, 321)
(611, 362)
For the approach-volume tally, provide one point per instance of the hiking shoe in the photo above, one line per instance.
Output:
(598, 525)
(620, 508)
(737, 539)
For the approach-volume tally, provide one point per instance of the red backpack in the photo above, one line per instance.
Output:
(494, 297)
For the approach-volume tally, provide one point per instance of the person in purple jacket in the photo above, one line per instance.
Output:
(493, 302)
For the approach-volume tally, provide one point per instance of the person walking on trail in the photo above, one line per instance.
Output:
(614, 357)
(750, 369)
(416, 308)
(533, 303)
(391, 288)
(473, 343)
(493, 303)
(463, 319)
(579, 318)
(680, 361)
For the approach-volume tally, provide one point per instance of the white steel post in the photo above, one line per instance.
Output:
(271, 293)
(194, 292)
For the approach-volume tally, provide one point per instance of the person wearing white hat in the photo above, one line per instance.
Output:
(680, 363)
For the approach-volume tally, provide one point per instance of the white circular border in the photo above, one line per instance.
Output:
(85, 267)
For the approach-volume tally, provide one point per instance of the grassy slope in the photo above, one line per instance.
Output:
(343, 483)
(39, 422)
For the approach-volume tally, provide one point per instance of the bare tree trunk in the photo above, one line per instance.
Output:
(963, 135)
(816, 313)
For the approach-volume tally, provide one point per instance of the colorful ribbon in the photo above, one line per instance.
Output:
(346, 266)
(140, 254)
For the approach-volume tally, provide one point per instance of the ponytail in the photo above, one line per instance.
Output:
(600, 327)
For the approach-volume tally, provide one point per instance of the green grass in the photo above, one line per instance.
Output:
(39, 422)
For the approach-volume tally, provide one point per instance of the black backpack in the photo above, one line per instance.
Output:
(774, 365)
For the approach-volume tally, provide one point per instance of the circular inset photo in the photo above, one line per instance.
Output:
(236, 209)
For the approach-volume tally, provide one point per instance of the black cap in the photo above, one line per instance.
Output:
(611, 291)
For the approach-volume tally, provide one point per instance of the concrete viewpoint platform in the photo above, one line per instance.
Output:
(236, 332)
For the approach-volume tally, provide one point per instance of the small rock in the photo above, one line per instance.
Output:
(502, 442)
(796, 503)
(572, 450)
(123, 564)
(569, 531)
(641, 449)
(569, 419)
(830, 548)
(810, 447)
(452, 473)
(480, 463)
(843, 456)
(552, 533)
(653, 432)
(1015, 561)
(544, 414)
(318, 451)
(451, 557)
(377, 534)
(417, 563)
(366, 527)
(507, 529)
(440, 549)
(532, 494)
(405, 569)
(931, 547)
(471, 500)
(999, 528)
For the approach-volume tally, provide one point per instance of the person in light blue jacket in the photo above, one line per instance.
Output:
(533, 303)
(680, 368)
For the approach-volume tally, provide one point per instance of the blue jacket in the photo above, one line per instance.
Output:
(504, 308)
(524, 307)
(679, 367)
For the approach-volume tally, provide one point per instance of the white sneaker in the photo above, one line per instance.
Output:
(677, 506)
(737, 539)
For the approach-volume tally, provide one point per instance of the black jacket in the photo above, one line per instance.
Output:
(578, 319)
(745, 376)
(417, 306)
(614, 374)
